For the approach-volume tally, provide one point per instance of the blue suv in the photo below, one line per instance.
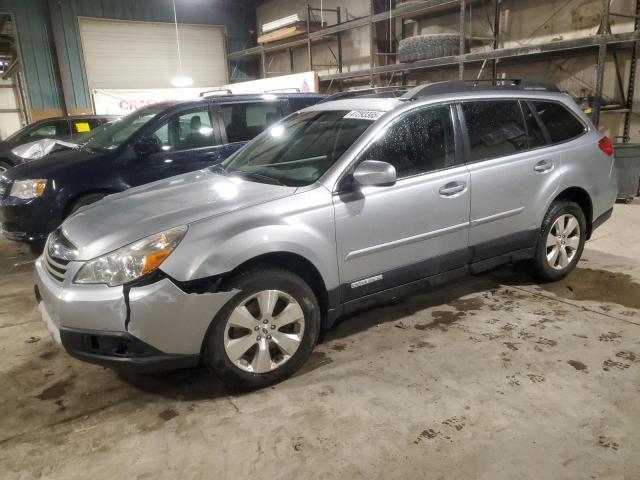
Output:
(152, 143)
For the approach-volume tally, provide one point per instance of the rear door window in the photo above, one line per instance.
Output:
(244, 121)
(494, 128)
(188, 131)
(561, 124)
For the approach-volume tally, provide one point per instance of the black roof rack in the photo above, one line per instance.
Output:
(461, 86)
(371, 92)
(216, 91)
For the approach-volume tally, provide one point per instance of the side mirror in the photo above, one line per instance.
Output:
(375, 173)
(147, 146)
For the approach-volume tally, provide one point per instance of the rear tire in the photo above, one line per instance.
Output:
(560, 242)
(86, 200)
(266, 332)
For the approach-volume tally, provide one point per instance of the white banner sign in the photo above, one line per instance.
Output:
(123, 102)
(306, 82)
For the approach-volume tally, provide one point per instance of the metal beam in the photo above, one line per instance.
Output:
(496, 35)
(462, 51)
(405, 9)
(605, 27)
(503, 53)
(631, 87)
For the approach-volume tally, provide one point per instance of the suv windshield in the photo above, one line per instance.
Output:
(298, 150)
(116, 133)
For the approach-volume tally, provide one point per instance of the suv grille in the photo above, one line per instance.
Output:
(58, 253)
(56, 267)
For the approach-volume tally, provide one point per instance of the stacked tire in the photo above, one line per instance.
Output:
(423, 47)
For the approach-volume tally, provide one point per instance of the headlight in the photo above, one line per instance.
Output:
(132, 261)
(28, 189)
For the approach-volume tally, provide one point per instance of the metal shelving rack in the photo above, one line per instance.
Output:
(603, 43)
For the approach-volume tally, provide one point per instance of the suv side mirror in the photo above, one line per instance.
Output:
(375, 173)
(147, 146)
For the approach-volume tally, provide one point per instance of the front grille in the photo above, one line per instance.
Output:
(56, 267)
(58, 253)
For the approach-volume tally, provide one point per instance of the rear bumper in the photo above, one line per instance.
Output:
(601, 219)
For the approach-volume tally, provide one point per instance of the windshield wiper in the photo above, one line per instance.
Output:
(259, 177)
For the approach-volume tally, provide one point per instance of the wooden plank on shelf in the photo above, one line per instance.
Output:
(287, 32)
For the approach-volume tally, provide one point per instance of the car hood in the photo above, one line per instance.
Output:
(123, 218)
(52, 165)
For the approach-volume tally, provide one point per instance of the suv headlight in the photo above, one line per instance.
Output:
(132, 261)
(28, 189)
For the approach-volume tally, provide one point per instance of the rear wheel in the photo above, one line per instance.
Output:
(560, 242)
(266, 332)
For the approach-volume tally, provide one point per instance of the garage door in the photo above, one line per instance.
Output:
(124, 54)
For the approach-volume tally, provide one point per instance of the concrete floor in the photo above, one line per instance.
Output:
(493, 377)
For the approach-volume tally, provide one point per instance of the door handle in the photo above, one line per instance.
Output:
(452, 188)
(543, 166)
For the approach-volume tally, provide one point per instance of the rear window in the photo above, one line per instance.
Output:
(561, 124)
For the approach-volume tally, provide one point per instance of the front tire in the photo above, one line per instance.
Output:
(266, 332)
(4, 166)
(560, 242)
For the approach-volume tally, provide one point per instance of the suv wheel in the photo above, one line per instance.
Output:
(560, 242)
(266, 332)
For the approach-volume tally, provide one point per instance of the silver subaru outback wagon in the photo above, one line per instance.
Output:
(341, 205)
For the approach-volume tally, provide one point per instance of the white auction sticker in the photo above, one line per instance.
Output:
(372, 115)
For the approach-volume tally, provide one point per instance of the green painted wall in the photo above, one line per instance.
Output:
(35, 37)
(34, 41)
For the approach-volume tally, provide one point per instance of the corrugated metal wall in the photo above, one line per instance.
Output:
(34, 42)
(35, 38)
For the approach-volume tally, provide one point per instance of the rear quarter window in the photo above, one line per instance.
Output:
(561, 124)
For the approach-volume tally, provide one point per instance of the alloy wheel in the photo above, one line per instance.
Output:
(264, 331)
(563, 241)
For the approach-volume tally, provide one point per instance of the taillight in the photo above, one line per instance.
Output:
(606, 145)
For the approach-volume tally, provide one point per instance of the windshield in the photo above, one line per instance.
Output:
(84, 137)
(116, 133)
(20, 135)
(298, 150)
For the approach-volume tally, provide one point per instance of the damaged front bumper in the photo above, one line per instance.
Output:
(156, 326)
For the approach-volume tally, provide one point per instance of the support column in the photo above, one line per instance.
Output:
(602, 57)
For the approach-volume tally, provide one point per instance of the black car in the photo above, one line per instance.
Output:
(63, 128)
(152, 143)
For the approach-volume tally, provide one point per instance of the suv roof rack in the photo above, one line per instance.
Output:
(371, 92)
(460, 86)
(284, 90)
(216, 91)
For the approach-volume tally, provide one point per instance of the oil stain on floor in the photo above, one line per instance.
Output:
(598, 285)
